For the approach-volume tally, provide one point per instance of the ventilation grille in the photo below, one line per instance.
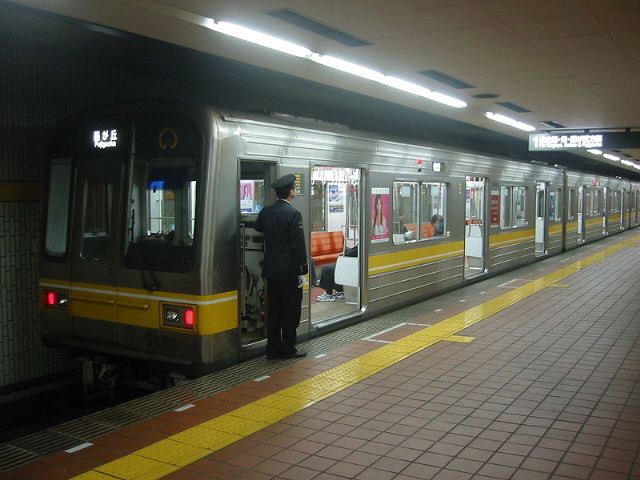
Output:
(318, 28)
(553, 124)
(513, 107)
(446, 79)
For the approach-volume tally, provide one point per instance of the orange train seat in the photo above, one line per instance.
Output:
(326, 247)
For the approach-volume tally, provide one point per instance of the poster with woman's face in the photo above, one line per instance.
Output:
(246, 195)
(380, 214)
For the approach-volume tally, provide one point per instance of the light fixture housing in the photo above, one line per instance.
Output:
(498, 117)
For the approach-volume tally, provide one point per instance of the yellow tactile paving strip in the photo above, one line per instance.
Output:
(176, 451)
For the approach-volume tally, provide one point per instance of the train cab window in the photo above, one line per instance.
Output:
(161, 219)
(58, 207)
(555, 205)
(405, 212)
(513, 206)
(96, 218)
(433, 197)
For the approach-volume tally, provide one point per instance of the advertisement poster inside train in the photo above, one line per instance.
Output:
(380, 214)
(246, 195)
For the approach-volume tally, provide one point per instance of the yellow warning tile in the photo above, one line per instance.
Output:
(205, 438)
(460, 339)
(175, 453)
(93, 475)
(235, 425)
(134, 467)
(559, 285)
(262, 413)
(283, 402)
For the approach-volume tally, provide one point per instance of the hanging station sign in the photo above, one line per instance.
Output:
(545, 142)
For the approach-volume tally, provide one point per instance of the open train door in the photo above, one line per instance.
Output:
(254, 192)
(335, 262)
(475, 227)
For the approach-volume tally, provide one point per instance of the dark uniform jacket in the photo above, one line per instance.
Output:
(285, 252)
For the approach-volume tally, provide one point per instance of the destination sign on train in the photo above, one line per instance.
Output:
(545, 142)
(105, 138)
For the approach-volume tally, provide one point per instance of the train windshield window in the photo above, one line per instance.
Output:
(58, 207)
(161, 223)
(433, 198)
(96, 215)
(405, 212)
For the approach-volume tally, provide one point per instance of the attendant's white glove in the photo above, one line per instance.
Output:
(302, 279)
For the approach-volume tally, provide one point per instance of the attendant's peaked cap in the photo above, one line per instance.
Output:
(283, 182)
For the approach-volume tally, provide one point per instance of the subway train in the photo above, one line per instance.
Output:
(148, 256)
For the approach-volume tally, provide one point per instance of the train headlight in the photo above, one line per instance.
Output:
(179, 316)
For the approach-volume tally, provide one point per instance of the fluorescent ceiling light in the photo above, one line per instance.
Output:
(284, 46)
(629, 163)
(611, 157)
(509, 121)
(594, 151)
(347, 67)
(259, 38)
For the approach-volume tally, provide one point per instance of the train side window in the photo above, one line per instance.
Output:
(405, 212)
(58, 207)
(520, 206)
(506, 201)
(513, 206)
(433, 198)
(555, 212)
(96, 218)
(251, 196)
(571, 204)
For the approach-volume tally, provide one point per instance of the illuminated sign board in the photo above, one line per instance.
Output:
(105, 139)
(545, 142)
(437, 166)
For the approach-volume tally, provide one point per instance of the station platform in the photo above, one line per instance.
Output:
(528, 375)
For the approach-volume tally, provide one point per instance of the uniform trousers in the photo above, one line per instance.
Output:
(284, 307)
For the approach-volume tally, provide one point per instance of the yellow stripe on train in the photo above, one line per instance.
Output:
(390, 262)
(140, 308)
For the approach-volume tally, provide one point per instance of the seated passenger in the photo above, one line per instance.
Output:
(438, 224)
(332, 290)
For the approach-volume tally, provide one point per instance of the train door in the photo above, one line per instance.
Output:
(94, 247)
(637, 219)
(541, 219)
(475, 227)
(334, 250)
(253, 194)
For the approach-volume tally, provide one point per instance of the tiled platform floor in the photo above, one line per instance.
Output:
(546, 388)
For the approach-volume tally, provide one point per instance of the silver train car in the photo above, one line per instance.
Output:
(148, 254)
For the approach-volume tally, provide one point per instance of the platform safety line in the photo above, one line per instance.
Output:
(169, 455)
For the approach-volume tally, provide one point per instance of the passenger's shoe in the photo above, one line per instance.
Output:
(294, 355)
(338, 295)
(325, 297)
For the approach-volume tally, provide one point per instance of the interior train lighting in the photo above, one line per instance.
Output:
(497, 117)
(290, 48)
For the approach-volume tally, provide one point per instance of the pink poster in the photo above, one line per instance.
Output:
(380, 214)
(246, 195)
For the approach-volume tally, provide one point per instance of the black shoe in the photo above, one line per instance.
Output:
(294, 355)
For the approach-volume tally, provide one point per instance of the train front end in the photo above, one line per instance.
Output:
(121, 274)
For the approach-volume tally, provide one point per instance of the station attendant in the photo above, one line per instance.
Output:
(284, 267)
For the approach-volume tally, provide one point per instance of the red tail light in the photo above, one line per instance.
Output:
(52, 298)
(189, 317)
